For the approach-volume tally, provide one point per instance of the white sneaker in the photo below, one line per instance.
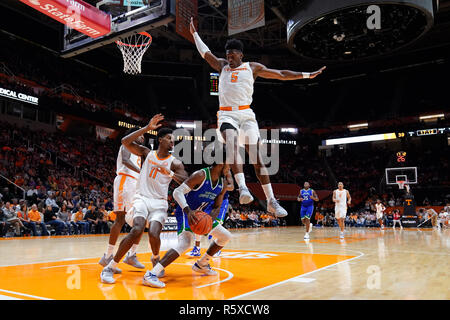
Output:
(154, 263)
(151, 280)
(306, 237)
(107, 275)
(207, 270)
(245, 196)
(342, 235)
(274, 207)
(133, 261)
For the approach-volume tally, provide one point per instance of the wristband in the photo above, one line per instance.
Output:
(306, 75)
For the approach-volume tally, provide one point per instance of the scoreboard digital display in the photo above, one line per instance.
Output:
(214, 84)
(424, 132)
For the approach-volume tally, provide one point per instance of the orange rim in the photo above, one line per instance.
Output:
(120, 43)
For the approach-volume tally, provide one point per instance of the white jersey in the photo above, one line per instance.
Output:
(342, 197)
(151, 182)
(122, 169)
(379, 207)
(236, 86)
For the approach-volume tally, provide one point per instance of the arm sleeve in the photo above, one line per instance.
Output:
(201, 46)
(178, 195)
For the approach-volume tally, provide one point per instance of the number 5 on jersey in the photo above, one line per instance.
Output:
(234, 76)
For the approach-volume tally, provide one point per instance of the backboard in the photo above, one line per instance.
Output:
(407, 174)
(127, 17)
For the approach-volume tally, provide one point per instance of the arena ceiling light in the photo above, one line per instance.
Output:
(358, 126)
(432, 117)
(290, 130)
(358, 139)
(348, 30)
(190, 125)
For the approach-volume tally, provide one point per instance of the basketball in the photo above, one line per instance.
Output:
(203, 225)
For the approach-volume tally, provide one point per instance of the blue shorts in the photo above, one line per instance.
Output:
(306, 212)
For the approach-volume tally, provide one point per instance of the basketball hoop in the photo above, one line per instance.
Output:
(133, 49)
(401, 184)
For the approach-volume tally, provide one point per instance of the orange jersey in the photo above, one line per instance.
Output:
(78, 216)
(34, 215)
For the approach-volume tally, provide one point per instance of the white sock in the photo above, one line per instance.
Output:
(268, 191)
(109, 250)
(133, 249)
(112, 264)
(203, 261)
(240, 180)
(157, 268)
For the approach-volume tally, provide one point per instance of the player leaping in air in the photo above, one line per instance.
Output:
(235, 119)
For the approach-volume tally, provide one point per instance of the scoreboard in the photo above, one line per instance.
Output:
(424, 132)
(214, 84)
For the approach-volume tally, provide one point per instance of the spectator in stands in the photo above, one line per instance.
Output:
(35, 216)
(83, 225)
(23, 215)
(109, 205)
(391, 202)
(102, 216)
(65, 216)
(361, 222)
(50, 218)
(95, 220)
(10, 217)
(51, 201)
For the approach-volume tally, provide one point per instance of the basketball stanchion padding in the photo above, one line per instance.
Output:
(203, 225)
(133, 49)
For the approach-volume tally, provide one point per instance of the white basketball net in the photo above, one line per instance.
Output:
(133, 49)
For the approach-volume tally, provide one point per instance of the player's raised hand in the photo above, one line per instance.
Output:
(155, 122)
(316, 73)
(192, 27)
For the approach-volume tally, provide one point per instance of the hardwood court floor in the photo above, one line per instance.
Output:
(266, 263)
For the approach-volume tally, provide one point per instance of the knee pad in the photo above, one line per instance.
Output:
(221, 235)
(184, 242)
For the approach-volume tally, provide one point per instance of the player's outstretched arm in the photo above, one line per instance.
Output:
(260, 70)
(215, 63)
(129, 140)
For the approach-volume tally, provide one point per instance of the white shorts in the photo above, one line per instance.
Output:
(149, 209)
(245, 123)
(124, 190)
(340, 212)
(379, 215)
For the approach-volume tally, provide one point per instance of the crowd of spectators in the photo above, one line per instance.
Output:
(252, 219)
(51, 216)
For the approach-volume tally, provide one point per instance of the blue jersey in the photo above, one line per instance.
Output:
(306, 195)
(201, 198)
